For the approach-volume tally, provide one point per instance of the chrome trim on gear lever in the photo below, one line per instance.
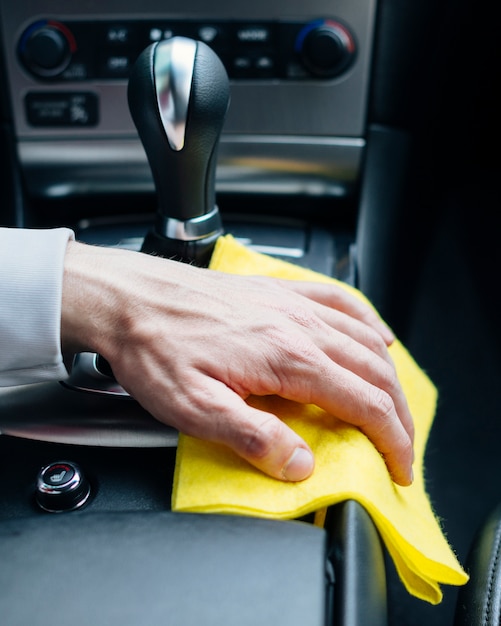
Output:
(193, 229)
(173, 72)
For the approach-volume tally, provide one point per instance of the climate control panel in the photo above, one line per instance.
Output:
(299, 79)
(76, 51)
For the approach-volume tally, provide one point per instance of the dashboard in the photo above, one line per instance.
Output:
(299, 87)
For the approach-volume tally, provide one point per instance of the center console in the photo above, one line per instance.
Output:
(287, 177)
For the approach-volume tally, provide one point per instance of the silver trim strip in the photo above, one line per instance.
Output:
(52, 412)
(280, 251)
(247, 164)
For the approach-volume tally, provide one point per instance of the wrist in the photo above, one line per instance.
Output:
(87, 299)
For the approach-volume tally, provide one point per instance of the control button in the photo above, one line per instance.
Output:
(118, 36)
(61, 109)
(326, 48)
(46, 48)
(264, 63)
(61, 486)
(116, 66)
(155, 34)
(208, 34)
(158, 34)
(218, 36)
(254, 34)
(242, 63)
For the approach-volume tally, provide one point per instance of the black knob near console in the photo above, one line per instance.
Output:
(61, 486)
(46, 48)
(326, 48)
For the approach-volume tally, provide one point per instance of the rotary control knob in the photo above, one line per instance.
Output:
(326, 48)
(61, 486)
(46, 48)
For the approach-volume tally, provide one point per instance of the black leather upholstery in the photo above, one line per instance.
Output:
(137, 569)
(479, 602)
(356, 553)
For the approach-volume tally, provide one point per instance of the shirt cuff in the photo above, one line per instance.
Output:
(31, 284)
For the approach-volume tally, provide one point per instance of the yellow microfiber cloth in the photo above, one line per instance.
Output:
(213, 479)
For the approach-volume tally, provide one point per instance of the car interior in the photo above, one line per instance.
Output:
(356, 139)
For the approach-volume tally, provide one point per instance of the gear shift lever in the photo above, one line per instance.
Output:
(178, 97)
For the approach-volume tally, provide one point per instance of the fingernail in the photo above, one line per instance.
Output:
(389, 335)
(299, 466)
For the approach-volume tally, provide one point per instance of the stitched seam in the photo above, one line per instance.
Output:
(492, 569)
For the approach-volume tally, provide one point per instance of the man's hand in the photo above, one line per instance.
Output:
(191, 344)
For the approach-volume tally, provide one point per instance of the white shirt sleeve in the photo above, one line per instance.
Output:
(31, 281)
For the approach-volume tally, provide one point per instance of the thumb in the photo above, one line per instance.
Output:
(259, 437)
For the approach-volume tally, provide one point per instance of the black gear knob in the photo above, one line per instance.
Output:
(178, 97)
